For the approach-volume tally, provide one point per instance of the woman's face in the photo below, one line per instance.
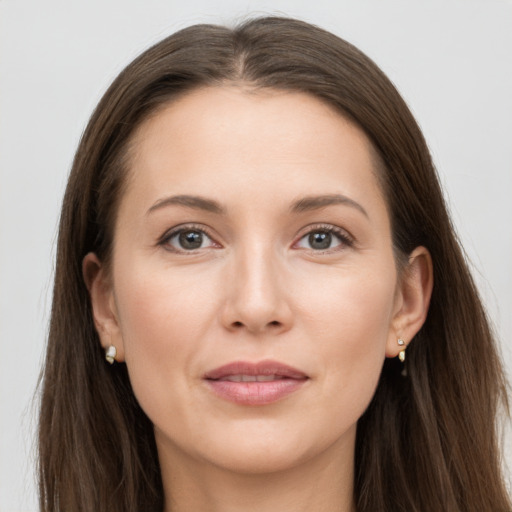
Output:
(254, 293)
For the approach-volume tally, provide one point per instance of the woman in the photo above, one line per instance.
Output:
(253, 234)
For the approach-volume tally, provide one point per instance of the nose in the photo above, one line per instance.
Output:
(256, 295)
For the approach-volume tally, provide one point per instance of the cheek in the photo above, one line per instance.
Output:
(353, 304)
(158, 307)
(162, 324)
(350, 317)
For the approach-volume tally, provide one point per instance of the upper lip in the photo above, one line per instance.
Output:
(260, 368)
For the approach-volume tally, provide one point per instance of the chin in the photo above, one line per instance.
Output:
(257, 460)
(264, 450)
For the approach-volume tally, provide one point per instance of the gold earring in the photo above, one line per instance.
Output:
(401, 354)
(110, 354)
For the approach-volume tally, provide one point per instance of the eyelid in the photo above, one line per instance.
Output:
(346, 239)
(170, 233)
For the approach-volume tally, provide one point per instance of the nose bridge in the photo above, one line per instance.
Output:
(257, 298)
(257, 272)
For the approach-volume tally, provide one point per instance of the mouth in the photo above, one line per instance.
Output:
(260, 383)
(252, 378)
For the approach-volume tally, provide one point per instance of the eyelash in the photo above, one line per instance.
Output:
(345, 239)
(169, 235)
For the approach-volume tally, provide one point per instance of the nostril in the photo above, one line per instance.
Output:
(274, 323)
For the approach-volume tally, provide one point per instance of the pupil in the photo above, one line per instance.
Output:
(320, 240)
(191, 239)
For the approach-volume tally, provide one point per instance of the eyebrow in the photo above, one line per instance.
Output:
(195, 202)
(316, 202)
(305, 204)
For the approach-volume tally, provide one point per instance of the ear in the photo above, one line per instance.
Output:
(103, 304)
(412, 300)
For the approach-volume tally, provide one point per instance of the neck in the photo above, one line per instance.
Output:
(323, 484)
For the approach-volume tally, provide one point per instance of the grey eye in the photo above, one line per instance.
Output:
(320, 240)
(190, 239)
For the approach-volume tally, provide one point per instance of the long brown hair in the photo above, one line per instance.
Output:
(427, 442)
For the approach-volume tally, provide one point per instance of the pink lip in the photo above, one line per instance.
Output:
(287, 380)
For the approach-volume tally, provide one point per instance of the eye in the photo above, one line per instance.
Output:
(324, 239)
(187, 239)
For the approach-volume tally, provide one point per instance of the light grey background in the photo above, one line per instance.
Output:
(452, 61)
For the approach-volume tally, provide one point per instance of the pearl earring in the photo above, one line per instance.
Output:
(110, 354)
(401, 354)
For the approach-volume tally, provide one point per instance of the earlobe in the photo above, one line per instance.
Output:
(412, 302)
(103, 304)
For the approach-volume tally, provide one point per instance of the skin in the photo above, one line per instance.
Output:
(258, 287)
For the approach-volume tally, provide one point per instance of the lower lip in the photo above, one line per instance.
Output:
(255, 393)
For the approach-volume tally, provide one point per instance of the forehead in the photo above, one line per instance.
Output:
(231, 141)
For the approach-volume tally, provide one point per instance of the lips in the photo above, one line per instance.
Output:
(260, 383)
